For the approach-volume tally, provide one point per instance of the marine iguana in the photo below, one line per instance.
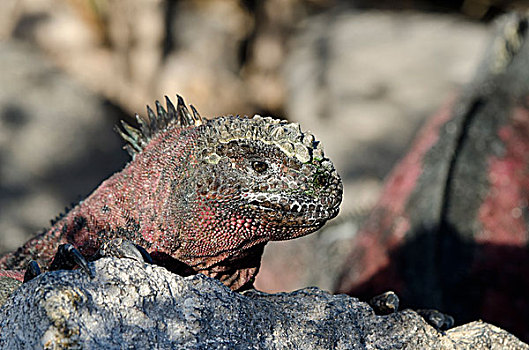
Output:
(199, 195)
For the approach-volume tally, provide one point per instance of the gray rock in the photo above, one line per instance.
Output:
(129, 304)
(7, 287)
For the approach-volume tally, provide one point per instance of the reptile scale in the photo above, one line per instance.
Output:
(200, 195)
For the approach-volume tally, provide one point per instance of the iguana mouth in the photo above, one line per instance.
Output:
(300, 211)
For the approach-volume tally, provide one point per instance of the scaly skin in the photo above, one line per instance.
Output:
(208, 193)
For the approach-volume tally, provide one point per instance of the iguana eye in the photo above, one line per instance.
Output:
(259, 166)
(320, 180)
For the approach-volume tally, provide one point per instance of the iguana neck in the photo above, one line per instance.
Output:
(138, 203)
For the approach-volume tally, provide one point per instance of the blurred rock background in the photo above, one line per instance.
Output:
(362, 75)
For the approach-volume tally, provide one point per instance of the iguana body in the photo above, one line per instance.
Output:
(451, 228)
(209, 194)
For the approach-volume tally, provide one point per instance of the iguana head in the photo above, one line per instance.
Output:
(236, 181)
(270, 173)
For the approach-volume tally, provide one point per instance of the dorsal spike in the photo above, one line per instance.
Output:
(144, 127)
(184, 117)
(156, 122)
(171, 111)
(196, 116)
(135, 134)
(130, 150)
(152, 118)
(161, 114)
(131, 143)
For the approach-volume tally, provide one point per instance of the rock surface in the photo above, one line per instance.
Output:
(145, 306)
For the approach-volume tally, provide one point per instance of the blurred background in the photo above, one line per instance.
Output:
(361, 75)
